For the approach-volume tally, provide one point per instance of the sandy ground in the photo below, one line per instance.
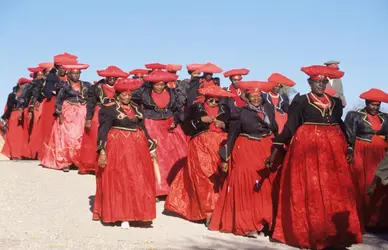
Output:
(48, 209)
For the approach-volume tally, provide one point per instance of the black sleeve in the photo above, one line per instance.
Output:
(193, 123)
(91, 102)
(61, 97)
(192, 91)
(226, 149)
(351, 127)
(286, 103)
(339, 113)
(50, 84)
(178, 109)
(105, 118)
(9, 106)
(22, 101)
(294, 120)
(151, 142)
(36, 94)
(137, 95)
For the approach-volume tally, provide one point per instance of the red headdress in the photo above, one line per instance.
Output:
(160, 76)
(193, 67)
(375, 95)
(209, 68)
(139, 72)
(256, 86)
(24, 80)
(236, 73)
(155, 66)
(173, 67)
(215, 91)
(112, 71)
(319, 72)
(65, 59)
(281, 79)
(127, 84)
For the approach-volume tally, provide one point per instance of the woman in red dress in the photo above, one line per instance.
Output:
(236, 75)
(15, 140)
(317, 201)
(279, 102)
(163, 113)
(125, 177)
(194, 192)
(100, 94)
(245, 203)
(368, 133)
(64, 146)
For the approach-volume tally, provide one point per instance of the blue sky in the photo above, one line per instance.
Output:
(264, 36)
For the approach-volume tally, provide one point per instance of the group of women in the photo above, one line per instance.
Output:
(241, 159)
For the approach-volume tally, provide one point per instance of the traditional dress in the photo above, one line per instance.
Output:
(99, 95)
(194, 192)
(245, 202)
(368, 135)
(45, 93)
(64, 145)
(161, 110)
(126, 185)
(236, 75)
(279, 102)
(15, 141)
(317, 202)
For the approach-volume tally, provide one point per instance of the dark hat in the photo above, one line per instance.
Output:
(331, 62)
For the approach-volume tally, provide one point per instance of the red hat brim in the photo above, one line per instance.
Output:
(375, 95)
(24, 80)
(154, 66)
(193, 66)
(173, 67)
(160, 76)
(127, 84)
(209, 68)
(236, 72)
(215, 91)
(75, 66)
(46, 65)
(112, 71)
(281, 79)
(139, 72)
(34, 70)
(319, 72)
(256, 86)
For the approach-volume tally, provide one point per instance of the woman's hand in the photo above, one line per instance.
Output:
(88, 124)
(29, 116)
(102, 159)
(224, 166)
(219, 124)
(61, 119)
(349, 155)
(206, 119)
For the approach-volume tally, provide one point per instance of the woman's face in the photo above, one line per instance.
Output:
(318, 87)
(254, 99)
(159, 87)
(125, 97)
(208, 77)
(212, 101)
(111, 80)
(74, 75)
(276, 89)
(373, 108)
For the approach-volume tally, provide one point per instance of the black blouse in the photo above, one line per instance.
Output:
(96, 97)
(359, 127)
(304, 111)
(250, 125)
(193, 124)
(12, 102)
(283, 105)
(26, 95)
(114, 116)
(143, 96)
(67, 93)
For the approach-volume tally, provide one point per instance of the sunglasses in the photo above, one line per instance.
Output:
(213, 100)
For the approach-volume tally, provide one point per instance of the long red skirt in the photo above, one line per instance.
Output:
(126, 185)
(44, 127)
(194, 192)
(35, 131)
(317, 201)
(64, 146)
(280, 119)
(367, 157)
(26, 151)
(241, 208)
(15, 139)
(171, 151)
(88, 163)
